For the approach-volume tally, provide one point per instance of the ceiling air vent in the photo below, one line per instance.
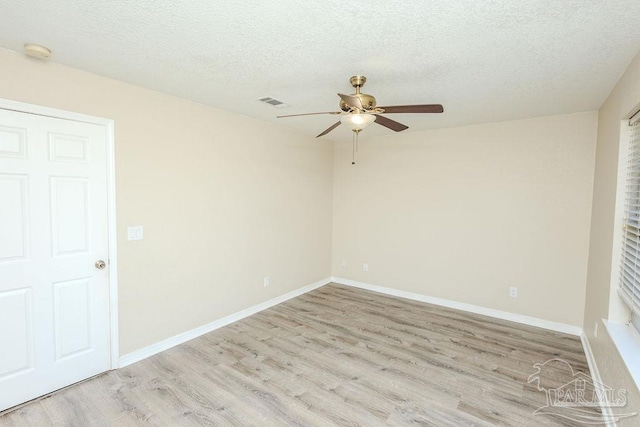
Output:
(272, 101)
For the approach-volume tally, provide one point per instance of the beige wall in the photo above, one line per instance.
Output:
(465, 213)
(224, 199)
(601, 302)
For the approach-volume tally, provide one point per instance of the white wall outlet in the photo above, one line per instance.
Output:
(343, 264)
(266, 282)
(595, 329)
(513, 292)
(365, 267)
(135, 233)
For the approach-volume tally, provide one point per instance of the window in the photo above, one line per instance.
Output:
(623, 330)
(630, 266)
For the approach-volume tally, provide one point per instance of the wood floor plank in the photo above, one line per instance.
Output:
(334, 356)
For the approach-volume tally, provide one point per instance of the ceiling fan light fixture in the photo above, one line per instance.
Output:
(358, 121)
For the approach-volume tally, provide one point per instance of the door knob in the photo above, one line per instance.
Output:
(100, 264)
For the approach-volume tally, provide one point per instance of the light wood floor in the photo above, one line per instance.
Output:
(334, 356)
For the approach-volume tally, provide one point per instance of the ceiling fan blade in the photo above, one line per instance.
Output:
(352, 101)
(309, 114)
(332, 127)
(426, 108)
(391, 124)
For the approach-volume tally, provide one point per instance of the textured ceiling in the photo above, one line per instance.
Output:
(484, 61)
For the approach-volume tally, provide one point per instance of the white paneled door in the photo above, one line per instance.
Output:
(54, 298)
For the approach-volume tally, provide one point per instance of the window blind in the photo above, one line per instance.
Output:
(635, 322)
(630, 267)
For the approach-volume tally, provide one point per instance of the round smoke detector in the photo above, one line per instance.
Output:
(36, 51)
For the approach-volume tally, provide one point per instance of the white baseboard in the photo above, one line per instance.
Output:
(504, 315)
(166, 344)
(595, 375)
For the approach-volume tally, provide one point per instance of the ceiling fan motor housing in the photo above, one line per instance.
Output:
(368, 102)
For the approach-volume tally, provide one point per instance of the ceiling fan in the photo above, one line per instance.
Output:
(360, 110)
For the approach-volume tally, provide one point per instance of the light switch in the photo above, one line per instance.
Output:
(135, 233)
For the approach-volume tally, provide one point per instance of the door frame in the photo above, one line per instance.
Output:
(21, 107)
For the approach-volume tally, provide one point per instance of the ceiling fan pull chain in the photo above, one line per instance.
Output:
(353, 151)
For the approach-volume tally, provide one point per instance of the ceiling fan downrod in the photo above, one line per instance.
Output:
(357, 82)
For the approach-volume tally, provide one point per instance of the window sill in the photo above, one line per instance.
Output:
(627, 342)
